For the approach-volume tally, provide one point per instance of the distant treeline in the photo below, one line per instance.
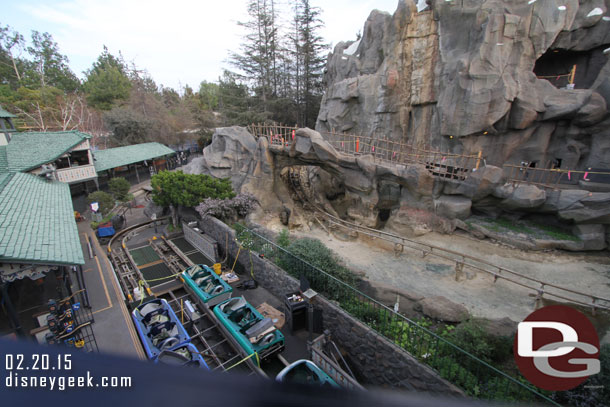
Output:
(276, 76)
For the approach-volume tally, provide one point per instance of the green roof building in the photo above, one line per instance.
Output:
(122, 156)
(28, 151)
(36, 223)
(38, 231)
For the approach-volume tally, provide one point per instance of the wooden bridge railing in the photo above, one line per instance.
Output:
(439, 163)
(547, 176)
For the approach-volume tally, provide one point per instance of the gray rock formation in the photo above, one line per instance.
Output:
(453, 207)
(152, 209)
(441, 309)
(524, 197)
(470, 76)
(592, 236)
(230, 155)
(408, 200)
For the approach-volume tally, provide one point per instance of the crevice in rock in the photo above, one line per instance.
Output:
(382, 218)
(555, 66)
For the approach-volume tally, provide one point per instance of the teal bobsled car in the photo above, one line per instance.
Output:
(206, 284)
(305, 372)
(253, 332)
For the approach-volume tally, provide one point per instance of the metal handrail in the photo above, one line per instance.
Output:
(387, 236)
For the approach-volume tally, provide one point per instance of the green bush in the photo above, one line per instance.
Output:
(105, 200)
(595, 391)
(107, 218)
(283, 239)
(119, 188)
(177, 188)
(318, 255)
(171, 228)
(471, 337)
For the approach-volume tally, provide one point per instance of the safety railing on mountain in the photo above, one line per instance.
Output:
(439, 163)
(550, 176)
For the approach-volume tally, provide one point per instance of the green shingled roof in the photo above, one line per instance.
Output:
(120, 156)
(5, 114)
(27, 151)
(3, 160)
(37, 221)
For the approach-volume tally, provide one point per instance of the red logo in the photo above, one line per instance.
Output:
(556, 348)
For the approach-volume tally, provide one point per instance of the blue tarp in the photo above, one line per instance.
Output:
(106, 231)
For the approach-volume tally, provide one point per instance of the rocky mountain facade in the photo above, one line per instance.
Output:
(407, 199)
(465, 76)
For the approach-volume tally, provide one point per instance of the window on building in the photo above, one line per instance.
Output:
(73, 159)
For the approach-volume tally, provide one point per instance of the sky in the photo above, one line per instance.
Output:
(179, 42)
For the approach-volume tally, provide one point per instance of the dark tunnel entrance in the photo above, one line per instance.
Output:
(562, 67)
(382, 217)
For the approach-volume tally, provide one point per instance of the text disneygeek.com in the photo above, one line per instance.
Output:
(18, 367)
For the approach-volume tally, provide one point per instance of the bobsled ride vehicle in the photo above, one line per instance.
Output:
(254, 332)
(206, 284)
(158, 327)
(305, 372)
(182, 355)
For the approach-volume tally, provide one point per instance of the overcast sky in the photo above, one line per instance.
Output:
(179, 42)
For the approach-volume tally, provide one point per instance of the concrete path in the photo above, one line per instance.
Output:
(113, 328)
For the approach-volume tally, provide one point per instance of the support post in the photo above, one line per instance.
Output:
(310, 321)
(10, 310)
(572, 74)
(137, 174)
(479, 160)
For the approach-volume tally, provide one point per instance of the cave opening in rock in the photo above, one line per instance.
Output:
(382, 217)
(562, 67)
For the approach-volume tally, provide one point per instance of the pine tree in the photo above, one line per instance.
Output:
(107, 82)
(258, 59)
(311, 50)
(308, 61)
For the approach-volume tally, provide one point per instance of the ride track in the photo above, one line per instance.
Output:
(218, 347)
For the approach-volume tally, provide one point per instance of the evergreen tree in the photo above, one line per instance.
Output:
(284, 70)
(309, 48)
(258, 60)
(107, 82)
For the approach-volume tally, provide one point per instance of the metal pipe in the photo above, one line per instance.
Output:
(80, 278)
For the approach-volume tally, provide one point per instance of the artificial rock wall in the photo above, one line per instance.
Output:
(460, 76)
(360, 189)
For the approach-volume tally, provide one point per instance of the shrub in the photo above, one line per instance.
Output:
(594, 391)
(105, 200)
(107, 218)
(318, 255)
(119, 188)
(177, 188)
(471, 337)
(283, 239)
